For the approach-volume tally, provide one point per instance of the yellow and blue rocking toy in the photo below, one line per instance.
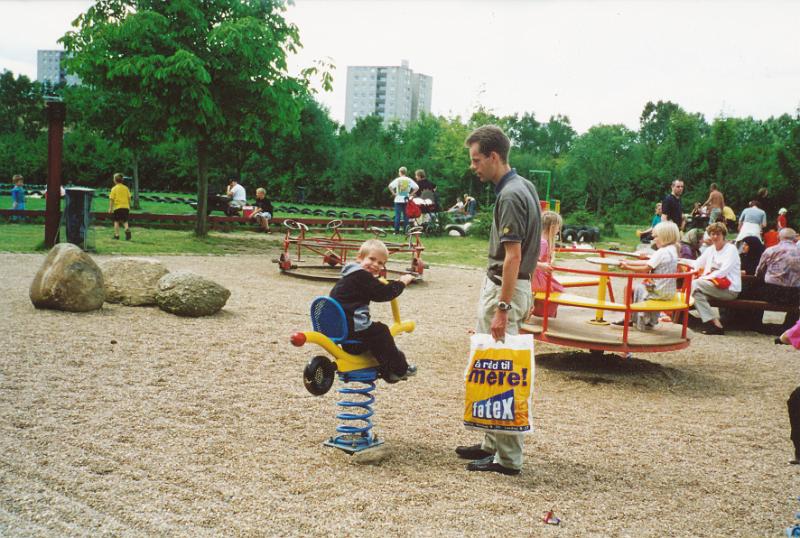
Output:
(360, 371)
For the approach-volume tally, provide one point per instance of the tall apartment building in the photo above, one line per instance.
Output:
(50, 68)
(391, 92)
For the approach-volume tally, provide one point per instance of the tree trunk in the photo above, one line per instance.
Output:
(135, 164)
(201, 225)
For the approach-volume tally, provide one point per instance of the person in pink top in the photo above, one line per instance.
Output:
(792, 336)
(551, 225)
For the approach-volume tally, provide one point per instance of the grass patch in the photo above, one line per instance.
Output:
(147, 241)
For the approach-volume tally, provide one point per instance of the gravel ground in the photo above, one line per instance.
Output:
(131, 421)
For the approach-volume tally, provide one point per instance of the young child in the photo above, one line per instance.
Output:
(119, 203)
(359, 286)
(18, 193)
(663, 261)
(551, 225)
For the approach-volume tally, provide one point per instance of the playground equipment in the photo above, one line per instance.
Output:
(358, 371)
(572, 328)
(334, 251)
(547, 203)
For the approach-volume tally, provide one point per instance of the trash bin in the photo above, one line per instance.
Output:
(77, 215)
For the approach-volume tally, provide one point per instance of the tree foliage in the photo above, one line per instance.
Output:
(610, 172)
(213, 72)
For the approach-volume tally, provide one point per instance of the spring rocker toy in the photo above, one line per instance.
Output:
(358, 372)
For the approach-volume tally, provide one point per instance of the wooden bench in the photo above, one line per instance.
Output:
(751, 304)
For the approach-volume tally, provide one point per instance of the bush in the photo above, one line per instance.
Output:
(609, 230)
(481, 225)
(579, 217)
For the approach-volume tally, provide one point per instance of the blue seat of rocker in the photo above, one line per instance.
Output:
(328, 318)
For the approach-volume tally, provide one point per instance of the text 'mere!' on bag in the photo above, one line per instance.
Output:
(499, 384)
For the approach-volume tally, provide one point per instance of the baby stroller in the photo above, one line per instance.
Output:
(422, 212)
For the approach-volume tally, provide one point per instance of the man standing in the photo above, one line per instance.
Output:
(237, 194)
(671, 208)
(715, 203)
(505, 299)
(402, 188)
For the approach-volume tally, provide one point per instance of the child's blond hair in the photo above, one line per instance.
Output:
(373, 245)
(118, 178)
(669, 234)
(551, 223)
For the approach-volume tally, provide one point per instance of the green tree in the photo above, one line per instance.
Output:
(199, 69)
(602, 170)
(21, 105)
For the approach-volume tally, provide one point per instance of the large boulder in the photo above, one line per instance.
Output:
(187, 294)
(132, 281)
(70, 280)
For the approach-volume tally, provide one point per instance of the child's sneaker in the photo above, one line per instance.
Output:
(620, 324)
(127, 235)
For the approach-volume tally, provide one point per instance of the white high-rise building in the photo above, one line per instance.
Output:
(50, 69)
(391, 92)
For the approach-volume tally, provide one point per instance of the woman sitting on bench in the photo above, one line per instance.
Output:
(721, 277)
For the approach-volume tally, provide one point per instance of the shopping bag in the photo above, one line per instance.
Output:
(499, 384)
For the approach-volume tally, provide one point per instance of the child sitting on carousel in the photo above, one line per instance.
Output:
(551, 225)
(663, 262)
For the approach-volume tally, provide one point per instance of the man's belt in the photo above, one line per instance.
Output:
(496, 277)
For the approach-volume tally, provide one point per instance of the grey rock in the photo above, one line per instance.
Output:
(188, 294)
(132, 281)
(70, 280)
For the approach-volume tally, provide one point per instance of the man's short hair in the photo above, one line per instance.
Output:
(787, 234)
(373, 245)
(490, 138)
(713, 187)
(676, 180)
(717, 227)
(403, 170)
(420, 173)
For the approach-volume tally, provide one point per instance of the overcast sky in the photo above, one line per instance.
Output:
(594, 61)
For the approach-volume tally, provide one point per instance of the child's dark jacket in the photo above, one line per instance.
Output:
(356, 289)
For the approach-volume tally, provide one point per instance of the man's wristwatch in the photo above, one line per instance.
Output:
(504, 306)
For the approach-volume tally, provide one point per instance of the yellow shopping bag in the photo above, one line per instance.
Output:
(499, 383)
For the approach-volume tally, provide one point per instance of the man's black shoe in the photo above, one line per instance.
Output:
(472, 452)
(488, 464)
(710, 328)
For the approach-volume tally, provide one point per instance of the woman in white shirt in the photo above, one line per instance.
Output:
(721, 277)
